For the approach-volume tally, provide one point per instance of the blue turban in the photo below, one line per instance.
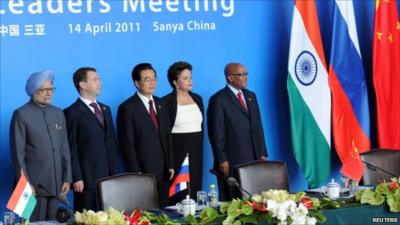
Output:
(36, 80)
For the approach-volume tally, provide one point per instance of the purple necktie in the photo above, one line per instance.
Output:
(98, 113)
(153, 114)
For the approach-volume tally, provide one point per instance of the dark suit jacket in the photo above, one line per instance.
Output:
(171, 102)
(236, 135)
(93, 148)
(145, 149)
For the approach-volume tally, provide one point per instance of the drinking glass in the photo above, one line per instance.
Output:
(345, 181)
(353, 187)
(201, 199)
(9, 218)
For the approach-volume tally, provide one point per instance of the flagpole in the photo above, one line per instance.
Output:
(187, 155)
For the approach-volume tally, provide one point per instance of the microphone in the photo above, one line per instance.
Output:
(61, 198)
(376, 168)
(231, 181)
(62, 215)
(216, 173)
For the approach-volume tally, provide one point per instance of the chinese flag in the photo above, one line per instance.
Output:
(386, 73)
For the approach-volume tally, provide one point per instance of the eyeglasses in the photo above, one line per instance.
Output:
(240, 74)
(149, 80)
(45, 90)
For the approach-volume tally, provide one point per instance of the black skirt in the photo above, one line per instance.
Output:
(192, 144)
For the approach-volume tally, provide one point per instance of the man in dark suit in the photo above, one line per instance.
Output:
(143, 130)
(234, 127)
(91, 138)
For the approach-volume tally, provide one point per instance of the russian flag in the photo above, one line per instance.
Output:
(182, 179)
(22, 200)
(350, 110)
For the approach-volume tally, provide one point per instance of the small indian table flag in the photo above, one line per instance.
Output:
(22, 200)
(182, 179)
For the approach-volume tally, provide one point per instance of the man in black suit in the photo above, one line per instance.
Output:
(143, 130)
(234, 127)
(91, 138)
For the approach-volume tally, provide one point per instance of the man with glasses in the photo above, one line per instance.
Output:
(234, 127)
(39, 146)
(143, 130)
(91, 138)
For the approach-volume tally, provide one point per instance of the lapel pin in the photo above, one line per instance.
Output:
(249, 99)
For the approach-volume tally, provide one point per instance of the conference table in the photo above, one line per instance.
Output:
(354, 213)
(361, 214)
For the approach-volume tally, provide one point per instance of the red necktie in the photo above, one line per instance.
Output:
(153, 114)
(98, 113)
(241, 100)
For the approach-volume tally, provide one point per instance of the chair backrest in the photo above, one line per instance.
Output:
(386, 159)
(128, 191)
(262, 175)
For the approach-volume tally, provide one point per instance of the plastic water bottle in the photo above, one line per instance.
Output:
(213, 196)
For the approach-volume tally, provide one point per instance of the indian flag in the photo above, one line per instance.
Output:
(22, 201)
(309, 95)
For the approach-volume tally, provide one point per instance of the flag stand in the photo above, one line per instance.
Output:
(182, 179)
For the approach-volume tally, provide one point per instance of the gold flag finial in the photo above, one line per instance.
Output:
(355, 154)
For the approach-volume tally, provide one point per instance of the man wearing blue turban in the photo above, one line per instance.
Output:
(39, 145)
